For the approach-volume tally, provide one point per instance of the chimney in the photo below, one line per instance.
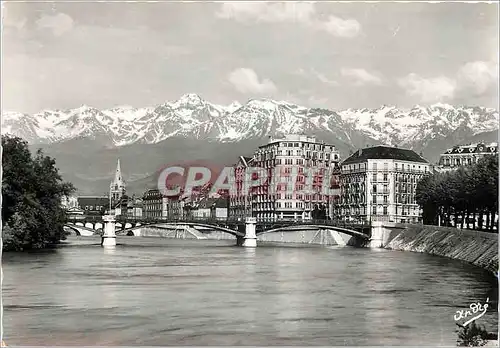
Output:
(360, 151)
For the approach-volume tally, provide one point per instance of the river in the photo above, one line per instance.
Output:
(154, 291)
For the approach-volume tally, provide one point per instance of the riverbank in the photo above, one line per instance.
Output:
(475, 247)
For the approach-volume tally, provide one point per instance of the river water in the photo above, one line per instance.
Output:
(154, 291)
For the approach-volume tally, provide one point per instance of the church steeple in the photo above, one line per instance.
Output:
(117, 187)
(118, 173)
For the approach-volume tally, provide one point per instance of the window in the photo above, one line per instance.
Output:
(374, 189)
(385, 210)
(375, 166)
(385, 177)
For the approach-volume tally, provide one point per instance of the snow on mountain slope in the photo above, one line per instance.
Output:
(193, 117)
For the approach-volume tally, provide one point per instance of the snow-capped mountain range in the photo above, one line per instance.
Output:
(193, 117)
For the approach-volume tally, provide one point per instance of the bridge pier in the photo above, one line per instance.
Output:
(379, 234)
(109, 237)
(250, 238)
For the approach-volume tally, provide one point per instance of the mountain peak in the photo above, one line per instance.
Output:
(84, 107)
(263, 103)
(190, 99)
(442, 105)
(235, 105)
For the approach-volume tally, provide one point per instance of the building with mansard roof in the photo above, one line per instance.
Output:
(379, 184)
(462, 155)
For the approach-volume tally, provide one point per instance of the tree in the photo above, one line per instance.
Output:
(32, 189)
(470, 191)
(472, 335)
(319, 212)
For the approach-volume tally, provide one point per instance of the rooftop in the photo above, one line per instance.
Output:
(384, 152)
(213, 202)
(301, 138)
(473, 148)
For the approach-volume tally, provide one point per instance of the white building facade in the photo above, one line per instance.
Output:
(379, 184)
(291, 154)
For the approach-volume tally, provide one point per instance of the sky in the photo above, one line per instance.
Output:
(330, 55)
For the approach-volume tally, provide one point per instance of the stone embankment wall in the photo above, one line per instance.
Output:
(477, 248)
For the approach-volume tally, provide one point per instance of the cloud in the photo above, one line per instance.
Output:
(478, 77)
(296, 12)
(473, 78)
(361, 77)
(58, 24)
(10, 19)
(315, 74)
(267, 12)
(429, 89)
(245, 80)
(340, 27)
(324, 79)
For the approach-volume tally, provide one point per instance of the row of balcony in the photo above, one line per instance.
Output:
(384, 170)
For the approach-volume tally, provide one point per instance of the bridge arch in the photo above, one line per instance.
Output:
(76, 228)
(295, 228)
(190, 224)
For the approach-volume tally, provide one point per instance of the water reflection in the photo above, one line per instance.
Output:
(109, 249)
(250, 253)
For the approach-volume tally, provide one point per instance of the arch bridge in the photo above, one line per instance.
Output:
(242, 229)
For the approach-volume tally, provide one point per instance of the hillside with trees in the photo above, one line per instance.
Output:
(465, 198)
(32, 188)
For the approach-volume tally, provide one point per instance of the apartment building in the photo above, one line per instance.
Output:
(379, 184)
(240, 205)
(461, 155)
(154, 204)
(286, 156)
(211, 208)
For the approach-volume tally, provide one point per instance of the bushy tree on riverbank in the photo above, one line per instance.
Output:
(32, 188)
(472, 336)
(468, 194)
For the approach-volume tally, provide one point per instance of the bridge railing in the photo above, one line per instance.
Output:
(226, 220)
